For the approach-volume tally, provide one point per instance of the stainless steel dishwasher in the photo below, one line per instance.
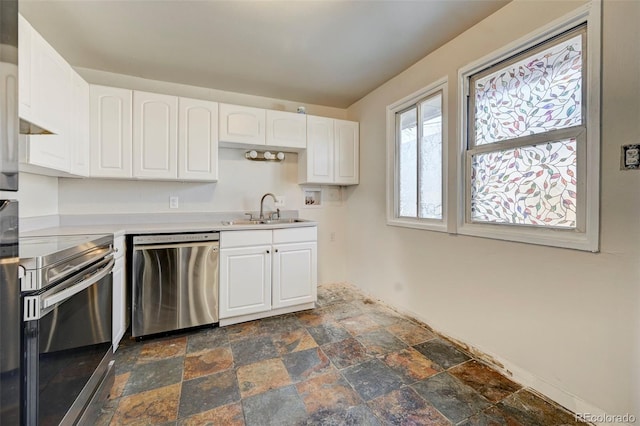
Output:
(174, 282)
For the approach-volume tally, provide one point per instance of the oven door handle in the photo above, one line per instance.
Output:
(37, 306)
(77, 288)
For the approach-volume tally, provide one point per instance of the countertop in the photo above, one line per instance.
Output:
(155, 224)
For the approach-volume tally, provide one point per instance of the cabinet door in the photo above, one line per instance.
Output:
(9, 150)
(119, 302)
(155, 136)
(51, 76)
(243, 125)
(347, 147)
(198, 140)
(286, 129)
(111, 132)
(79, 131)
(51, 96)
(25, 54)
(319, 157)
(294, 274)
(245, 281)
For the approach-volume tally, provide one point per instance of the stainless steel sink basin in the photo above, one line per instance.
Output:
(262, 221)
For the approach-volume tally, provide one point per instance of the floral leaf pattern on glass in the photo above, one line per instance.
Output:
(532, 185)
(535, 95)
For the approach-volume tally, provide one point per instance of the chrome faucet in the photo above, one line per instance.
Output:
(262, 204)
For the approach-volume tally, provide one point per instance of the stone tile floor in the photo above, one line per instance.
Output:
(350, 361)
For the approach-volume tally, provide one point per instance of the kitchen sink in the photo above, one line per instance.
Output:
(262, 221)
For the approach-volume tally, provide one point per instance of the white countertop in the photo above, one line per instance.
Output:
(154, 224)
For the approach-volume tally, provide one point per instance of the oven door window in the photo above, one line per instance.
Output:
(72, 340)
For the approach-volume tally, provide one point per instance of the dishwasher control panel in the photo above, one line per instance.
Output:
(176, 238)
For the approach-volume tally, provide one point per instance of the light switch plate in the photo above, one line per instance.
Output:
(280, 201)
(630, 157)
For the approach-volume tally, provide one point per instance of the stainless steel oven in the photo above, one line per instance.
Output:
(174, 282)
(66, 339)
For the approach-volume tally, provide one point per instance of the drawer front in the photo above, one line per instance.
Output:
(294, 235)
(245, 238)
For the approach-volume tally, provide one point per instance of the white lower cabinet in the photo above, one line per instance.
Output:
(245, 277)
(119, 315)
(294, 274)
(267, 272)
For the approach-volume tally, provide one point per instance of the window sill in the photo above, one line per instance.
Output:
(427, 225)
(570, 239)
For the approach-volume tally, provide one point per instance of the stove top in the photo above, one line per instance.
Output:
(41, 251)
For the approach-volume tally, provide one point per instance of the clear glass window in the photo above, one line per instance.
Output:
(419, 164)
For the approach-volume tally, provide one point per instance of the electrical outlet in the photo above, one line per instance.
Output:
(332, 237)
(173, 202)
(630, 157)
(279, 201)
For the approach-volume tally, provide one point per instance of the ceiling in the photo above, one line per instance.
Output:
(320, 52)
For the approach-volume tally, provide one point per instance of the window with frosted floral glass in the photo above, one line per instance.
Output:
(527, 128)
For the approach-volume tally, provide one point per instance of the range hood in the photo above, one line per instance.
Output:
(28, 128)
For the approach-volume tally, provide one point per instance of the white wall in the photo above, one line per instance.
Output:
(38, 195)
(240, 186)
(563, 321)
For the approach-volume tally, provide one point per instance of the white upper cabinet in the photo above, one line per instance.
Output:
(155, 136)
(9, 151)
(52, 79)
(286, 129)
(347, 148)
(332, 154)
(316, 164)
(79, 126)
(47, 100)
(242, 125)
(25, 53)
(198, 140)
(44, 76)
(111, 131)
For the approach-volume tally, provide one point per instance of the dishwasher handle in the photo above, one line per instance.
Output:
(206, 237)
(213, 244)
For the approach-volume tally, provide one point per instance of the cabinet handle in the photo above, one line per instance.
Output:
(276, 250)
(267, 251)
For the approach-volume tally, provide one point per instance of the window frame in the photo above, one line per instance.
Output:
(585, 235)
(393, 172)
